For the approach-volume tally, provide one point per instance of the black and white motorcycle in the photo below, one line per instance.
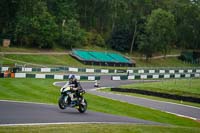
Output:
(73, 99)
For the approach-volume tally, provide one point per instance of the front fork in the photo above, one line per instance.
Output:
(65, 99)
(80, 99)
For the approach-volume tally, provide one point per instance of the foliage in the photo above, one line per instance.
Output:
(188, 19)
(63, 10)
(120, 39)
(94, 38)
(145, 47)
(160, 29)
(43, 23)
(72, 35)
(35, 28)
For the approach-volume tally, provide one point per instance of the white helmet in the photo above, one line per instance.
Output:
(71, 76)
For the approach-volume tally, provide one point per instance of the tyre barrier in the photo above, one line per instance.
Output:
(158, 94)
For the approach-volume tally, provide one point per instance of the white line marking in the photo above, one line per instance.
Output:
(13, 101)
(58, 82)
(95, 89)
(182, 115)
(65, 123)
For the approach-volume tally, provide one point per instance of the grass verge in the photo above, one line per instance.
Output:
(183, 87)
(67, 60)
(99, 128)
(45, 59)
(152, 97)
(31, 50)
(42, 91)
(168, 62)
(48, 60)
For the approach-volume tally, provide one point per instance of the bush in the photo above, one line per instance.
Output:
(121, 39)
(38, 30)
(94, 38)
(72, 35)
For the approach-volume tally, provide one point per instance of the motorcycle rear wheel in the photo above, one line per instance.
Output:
(82, 108)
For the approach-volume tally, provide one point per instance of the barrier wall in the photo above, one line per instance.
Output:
(130, 74)
(156, 76)
(52, 76)
(164, 70)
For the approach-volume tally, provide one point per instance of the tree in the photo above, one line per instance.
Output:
(145, 47)
(8, 9)
(45, 30)
(72, 34)
(63, 10)
(160, 28)
(95, 14)
(120, 39)
(188, 24)
(35, 26)
(94, 38)
(33, 23)
(138, 9)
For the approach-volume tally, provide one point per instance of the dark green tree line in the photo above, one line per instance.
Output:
(127, 26)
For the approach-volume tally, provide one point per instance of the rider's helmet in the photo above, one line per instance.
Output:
(71, 78)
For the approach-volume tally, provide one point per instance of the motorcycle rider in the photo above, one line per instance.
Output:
(75, 86)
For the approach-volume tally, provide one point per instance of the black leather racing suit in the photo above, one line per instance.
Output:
(79, 89)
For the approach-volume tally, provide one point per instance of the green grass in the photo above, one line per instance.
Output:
(42, 91)
(168, 62)
(152, 97)
(183, 87)
(55, 49)
(34, 90)
(99, 128)
(67, 60)
(47, 60)
(20, 49)
(15, 49)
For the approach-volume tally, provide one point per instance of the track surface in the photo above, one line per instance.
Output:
(30, 113)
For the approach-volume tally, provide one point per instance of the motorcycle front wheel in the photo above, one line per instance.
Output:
(82, 107)
(61, 102)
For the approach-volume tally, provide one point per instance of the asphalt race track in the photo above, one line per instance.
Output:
(31, 113)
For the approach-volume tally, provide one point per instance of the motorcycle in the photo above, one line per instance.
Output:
(70, 98)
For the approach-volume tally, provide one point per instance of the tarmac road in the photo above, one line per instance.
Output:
(12, 113)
